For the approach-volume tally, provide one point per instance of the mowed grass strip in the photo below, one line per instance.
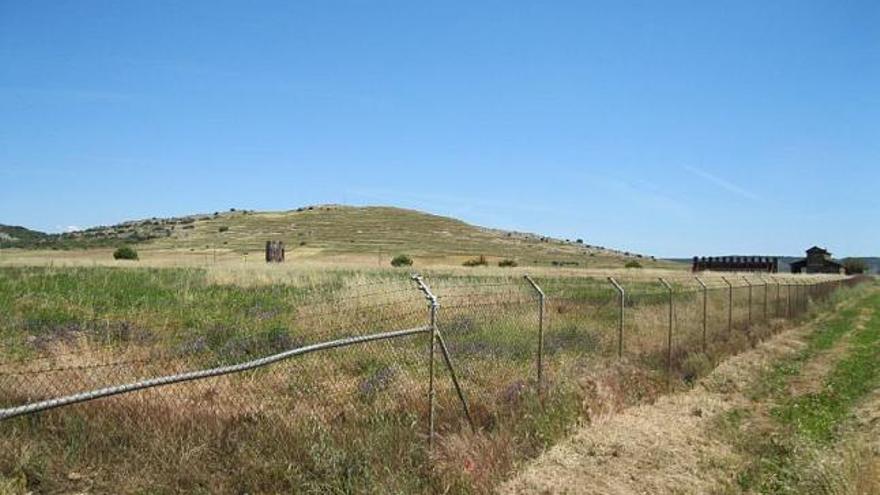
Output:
(817, 415)
(785, 435)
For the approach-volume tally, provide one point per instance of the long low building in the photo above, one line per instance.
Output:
(764, 264)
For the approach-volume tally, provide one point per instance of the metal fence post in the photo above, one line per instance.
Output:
(778, 310)
(749, 323)
(669, 334)
(729, 305)
(766, 288)
(433, 304)
(438, 336)
(705, 307)
(541, 308)
(788, 300)
(622, 294)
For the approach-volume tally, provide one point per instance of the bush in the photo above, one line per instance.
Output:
(401, 260)
(125, 253)
(481, 261)
(507, 263)
(854, 266)
(632, 264)
(223, 229)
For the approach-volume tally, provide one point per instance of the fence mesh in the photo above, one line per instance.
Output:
(324, 420)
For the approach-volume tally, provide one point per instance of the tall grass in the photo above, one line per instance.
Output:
(345, 420)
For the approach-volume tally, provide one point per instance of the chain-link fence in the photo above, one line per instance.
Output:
(352, 388)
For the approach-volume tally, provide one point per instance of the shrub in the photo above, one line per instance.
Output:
(401, 260)
(695, 366)
(481, 261)
(507, 263)
(223, 229)
(632, 264)
(855, 266)
(125, 253)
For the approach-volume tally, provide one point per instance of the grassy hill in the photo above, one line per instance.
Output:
(20, 236)
(354, 233)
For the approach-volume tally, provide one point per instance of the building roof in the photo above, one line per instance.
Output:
(816, 249)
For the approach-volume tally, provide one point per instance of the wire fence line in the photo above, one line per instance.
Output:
(377, 363)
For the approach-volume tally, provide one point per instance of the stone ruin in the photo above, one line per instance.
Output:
(274, 252)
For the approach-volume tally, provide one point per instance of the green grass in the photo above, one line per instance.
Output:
(817, 415)
(783, 451)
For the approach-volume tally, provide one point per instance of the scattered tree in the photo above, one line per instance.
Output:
(854, 266)
(125, 253)
(401, 260)
(632, 264)
(481, 261)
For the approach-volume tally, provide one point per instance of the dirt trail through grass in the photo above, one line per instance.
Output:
(708, 440)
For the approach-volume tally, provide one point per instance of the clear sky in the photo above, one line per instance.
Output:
(669, 128)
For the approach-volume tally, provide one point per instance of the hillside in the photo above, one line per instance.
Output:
(20, 236)
(356, 233)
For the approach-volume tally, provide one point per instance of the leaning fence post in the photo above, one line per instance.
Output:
(541, 308)
(705, 305)
(669, 334)
(729, 305)
(622, 294)
(435, 330)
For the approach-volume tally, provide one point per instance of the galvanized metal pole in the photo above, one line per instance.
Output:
(778, 298)
(201, 374)
(788, 300)
(541, 308)
(622, 293)
(705, 307)
(766, 287)
(749, 324)
(669, 334)
(729, 305)
(433, 304)
(458, 390)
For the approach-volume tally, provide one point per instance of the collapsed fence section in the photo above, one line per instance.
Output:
(368, 377)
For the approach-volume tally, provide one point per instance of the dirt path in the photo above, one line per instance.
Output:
(665, 447)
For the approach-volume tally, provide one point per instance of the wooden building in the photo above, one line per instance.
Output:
(818, 260)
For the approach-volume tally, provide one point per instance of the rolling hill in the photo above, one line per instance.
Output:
(329, 231)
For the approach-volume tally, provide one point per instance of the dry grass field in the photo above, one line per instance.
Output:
(346, 420)
(798, 414)
(328, 235)
(353, 419)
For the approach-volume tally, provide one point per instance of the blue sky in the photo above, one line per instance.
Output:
(670, 128)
